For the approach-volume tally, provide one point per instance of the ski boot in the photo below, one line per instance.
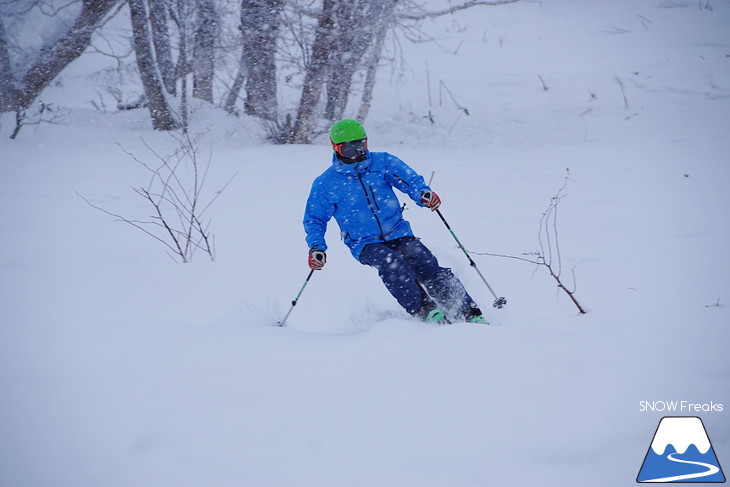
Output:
(429, 313)
(474, 315)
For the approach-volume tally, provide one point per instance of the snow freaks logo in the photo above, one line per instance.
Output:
(680, 452)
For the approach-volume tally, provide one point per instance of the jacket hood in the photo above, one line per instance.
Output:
(352, 169)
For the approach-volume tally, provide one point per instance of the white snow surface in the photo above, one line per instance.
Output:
(119, 367)
(681, 432)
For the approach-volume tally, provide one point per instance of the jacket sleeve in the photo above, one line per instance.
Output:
(403, 177)
(317, 213)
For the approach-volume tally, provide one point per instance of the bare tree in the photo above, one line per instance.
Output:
(373, 61)
(204, 43)
(53, 58)
(343, 44)
(229, 104)
(17, 94)
(316, 72)
(8, 91)
(359, 45)
(162, 117)
(260, 24)
(352, 38)
(161, 41)
(330, 52)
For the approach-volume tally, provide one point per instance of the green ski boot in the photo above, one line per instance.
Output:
(479, 319)
(435, 316)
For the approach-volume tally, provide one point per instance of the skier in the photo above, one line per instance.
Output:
(357, 189)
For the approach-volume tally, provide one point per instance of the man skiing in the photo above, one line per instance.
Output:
(357, 189)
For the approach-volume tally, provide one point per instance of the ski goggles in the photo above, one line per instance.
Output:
(351, 148)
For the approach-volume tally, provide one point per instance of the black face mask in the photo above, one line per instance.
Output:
(352, 151)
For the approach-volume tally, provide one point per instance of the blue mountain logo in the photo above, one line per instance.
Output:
(680, 452)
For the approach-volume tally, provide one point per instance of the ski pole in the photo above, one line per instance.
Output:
(498, 302)
(294, 302)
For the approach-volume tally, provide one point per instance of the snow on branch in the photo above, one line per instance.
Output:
(453, 9)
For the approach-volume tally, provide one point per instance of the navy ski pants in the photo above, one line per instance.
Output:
(407, 268)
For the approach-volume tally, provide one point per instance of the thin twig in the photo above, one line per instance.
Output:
(549, 245)
(451, 10)
(176, 197)
(623, 92)
(126, 220)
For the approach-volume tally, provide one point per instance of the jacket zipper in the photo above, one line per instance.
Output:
(370, 205)
(401, 179)
(375, 200)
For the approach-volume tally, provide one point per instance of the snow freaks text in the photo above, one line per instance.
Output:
(680, 407)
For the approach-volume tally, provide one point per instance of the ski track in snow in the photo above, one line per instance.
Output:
(711, 469)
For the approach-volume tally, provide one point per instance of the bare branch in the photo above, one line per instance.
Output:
(623, 92)
(125, 220)
(451, 10)
(174, 191)
(539, 262)
(549, 245)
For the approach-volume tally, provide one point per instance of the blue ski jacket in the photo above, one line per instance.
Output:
(361, 198)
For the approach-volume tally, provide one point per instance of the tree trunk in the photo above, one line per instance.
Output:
(385, 23)
(260, 21)
(354, 41)
(161, 42)
(183, 66)
(53, 58)
(8, 91)
(162, 118)
(315, 75)
(230, 104)
(353, 36)
(203, 63)
(372, 69)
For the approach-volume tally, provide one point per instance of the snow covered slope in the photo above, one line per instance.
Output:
(119, 367)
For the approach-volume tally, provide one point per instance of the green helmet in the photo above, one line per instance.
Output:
(347, 130)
